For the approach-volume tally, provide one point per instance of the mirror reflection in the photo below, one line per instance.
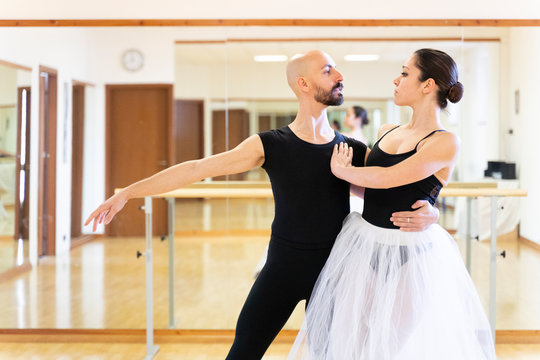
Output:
(222, 93)
(14, 166)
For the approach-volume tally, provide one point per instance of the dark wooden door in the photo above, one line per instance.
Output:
(264, 123)
(47, 162)
(227, 136)
(77, 146)
(22, 178)
(188, 130)
(138, 121)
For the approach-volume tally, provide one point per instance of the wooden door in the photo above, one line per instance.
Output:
(77, 146)
(227, 136)
(47, 162)
(264, 123)
(22, 177)
(137, 130)
(188, 130)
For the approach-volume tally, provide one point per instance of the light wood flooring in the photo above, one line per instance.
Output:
(192, 351)
(100, 285)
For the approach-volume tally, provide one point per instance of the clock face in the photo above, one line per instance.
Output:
(132, 59)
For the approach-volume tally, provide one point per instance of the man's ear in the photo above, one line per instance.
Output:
(302, 84)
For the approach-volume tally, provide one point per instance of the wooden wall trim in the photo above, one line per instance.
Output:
(291, 100)
(47, 69)
(15, 66)
(82, 83)
(184, 336)
(268, 22)
(345, 39)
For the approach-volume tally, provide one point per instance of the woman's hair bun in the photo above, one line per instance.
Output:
(455, 93)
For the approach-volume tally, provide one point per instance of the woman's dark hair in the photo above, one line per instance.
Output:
(360, 112)
(440, 67)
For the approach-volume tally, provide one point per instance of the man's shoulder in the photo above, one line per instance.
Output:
(273, 134)
(356, 144)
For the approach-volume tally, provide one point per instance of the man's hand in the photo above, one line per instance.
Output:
(106, 211)
(417, 220)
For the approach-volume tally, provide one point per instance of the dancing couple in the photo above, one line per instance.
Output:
(387, 284)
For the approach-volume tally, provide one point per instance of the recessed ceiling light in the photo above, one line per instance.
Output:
(270, 58)
(361, 57)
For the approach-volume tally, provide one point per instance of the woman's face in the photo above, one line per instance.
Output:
(350, 118)
(408, 88)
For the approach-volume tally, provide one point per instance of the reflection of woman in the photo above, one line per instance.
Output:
(387, 294)
(355, 120)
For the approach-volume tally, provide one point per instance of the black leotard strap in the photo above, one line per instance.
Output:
(392, 129)
(424, 138)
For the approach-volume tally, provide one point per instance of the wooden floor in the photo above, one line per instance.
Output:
(193, 351)
(100, 285)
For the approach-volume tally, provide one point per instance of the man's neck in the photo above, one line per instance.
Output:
(311, 124)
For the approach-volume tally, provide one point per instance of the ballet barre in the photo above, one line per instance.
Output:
(247, 190)
(494, 193)
(252, 190)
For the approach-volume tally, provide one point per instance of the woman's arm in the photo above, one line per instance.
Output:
(247, 155)
(439, 153)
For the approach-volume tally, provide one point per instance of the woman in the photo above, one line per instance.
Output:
(387, 294)
(355, 120)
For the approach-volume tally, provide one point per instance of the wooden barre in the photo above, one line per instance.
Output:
(477, 192)
(261, 184)
(257, 193)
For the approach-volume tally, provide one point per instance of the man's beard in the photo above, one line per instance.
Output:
(328, 98)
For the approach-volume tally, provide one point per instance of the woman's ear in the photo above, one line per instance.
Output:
(429, 86)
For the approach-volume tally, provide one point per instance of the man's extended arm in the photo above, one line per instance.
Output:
(247, 155)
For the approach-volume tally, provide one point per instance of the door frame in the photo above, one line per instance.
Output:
(77, 156)
(47, 150)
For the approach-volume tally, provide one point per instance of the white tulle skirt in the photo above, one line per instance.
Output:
(385, 294)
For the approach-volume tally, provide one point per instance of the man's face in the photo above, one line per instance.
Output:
(326, 81)
(333, 97)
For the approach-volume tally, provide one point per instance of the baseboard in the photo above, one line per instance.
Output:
(80, 240)
(230, 232)
(127, 336)
(517, 336)
(15, 271)
(529, 243)
(188, 336)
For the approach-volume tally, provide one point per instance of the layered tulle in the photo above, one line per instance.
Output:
(386, 295)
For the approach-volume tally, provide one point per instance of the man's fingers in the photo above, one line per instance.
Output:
(403, 215)
(419, 203)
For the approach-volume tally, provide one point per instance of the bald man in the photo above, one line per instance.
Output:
(310, 202)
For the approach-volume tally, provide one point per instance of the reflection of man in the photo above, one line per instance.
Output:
(310, 202)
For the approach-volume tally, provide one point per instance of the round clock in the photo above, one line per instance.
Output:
(132, 60)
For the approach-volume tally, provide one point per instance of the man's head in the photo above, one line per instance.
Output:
(314, 76)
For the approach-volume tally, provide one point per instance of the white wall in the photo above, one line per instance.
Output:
(524, 58)
(479, 111)
(209, 9)
(65, 51)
